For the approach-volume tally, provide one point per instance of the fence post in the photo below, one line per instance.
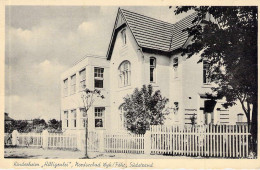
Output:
(102, 141)
(15, 137)
(147, 142)
(45, 135)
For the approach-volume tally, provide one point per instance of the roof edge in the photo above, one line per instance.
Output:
(114, 33)
(108, 55)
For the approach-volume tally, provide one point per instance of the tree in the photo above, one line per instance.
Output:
(54, 125)
(22, 126)
(227, 40)
(88, 98)
(144, 108)
(38, 125)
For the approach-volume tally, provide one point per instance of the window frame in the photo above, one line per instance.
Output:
(65, 87)
(240, 117)
(98, 78)
(74, 118)
(83, 118)
(102, 117)
(153, 67)
(81, 80)
(205, 73)
(66, 117)
(122, 119)
(73, 84)
(124, 74)
(123, 35)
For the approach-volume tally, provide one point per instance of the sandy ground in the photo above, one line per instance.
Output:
(39, 153)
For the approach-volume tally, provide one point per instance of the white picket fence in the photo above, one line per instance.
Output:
(29, 139)
(124, 143)
(62, 141)
(205, 140)
(200, 140)
(55, 140)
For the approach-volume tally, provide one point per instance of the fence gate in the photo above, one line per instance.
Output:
(93, 141)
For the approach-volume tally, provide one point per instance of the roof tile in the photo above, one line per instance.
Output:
(156, 34)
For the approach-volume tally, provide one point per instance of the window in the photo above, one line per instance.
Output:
(99, 117)
(65, 87)
(152, 69)
(123, 34)
(83, 114)
(175, 108)
(66, 118)
(73, 84)
(240, 117)
(122, 119)
(82, 76)
(175, 66)
(98, 77)
(74, 117)
(124, 74)
(206, 78)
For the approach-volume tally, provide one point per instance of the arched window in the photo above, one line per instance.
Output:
(152, 69)
(124, 74)
(123, 34)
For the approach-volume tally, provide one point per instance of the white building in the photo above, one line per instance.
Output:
(143, 50)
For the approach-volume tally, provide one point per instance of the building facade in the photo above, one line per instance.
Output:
(143, 51)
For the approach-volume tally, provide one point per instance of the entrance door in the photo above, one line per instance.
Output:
(209, 111)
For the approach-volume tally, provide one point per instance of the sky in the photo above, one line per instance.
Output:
(44, 41)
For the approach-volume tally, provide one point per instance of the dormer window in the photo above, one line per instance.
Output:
(152, 69)
(123, 34)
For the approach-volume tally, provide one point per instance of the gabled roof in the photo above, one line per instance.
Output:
(149, 32)
(179, 37)
(152, 33)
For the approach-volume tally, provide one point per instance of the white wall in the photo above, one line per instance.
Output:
(74, 101)
(121, 52)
